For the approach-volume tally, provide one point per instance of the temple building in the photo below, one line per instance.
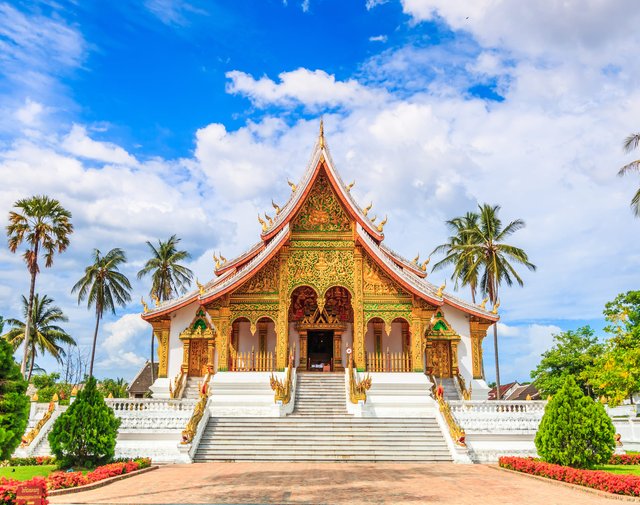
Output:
(320, 281)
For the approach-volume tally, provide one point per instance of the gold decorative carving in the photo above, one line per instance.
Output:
(265, 281)
(282, 322)
(320, 269)
(161, 331)
(477, 331)
(358, 311)
(322, 210)
(376, 282)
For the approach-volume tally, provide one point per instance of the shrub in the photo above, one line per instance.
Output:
(32, 461)
(625, 459)
(575, 431)
(597, 479)
(14, 403)
(85, 435)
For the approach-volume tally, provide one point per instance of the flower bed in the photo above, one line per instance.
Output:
(31, 461)
(64, 480)
(597, 479)
(625, 459)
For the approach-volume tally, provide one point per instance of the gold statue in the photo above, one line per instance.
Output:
(293, 186)
(156, 300)
(223, 259)
(348, 188)
(382, 223)
(415, 260)
(263, 223)
(200, 287)
(145, 307)
(373, 219)
(441, 290)
(366, 210)
(217, 260)
(496, 306)
(423, 267)
(277, 207)
(269, 218)
(483, 305)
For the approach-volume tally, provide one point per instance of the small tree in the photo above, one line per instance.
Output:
(85, 435)
(575, 430)
(14, 403)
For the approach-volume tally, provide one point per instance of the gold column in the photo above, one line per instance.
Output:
(161, 331)
(262, 336)
(211, 346)
(406, 337)
(478, 330)
(337, 351)
(220, 314)
(454, 357)
(185, 355)
(421, 312)
(303, 349)
(282, 324)
(359, 329)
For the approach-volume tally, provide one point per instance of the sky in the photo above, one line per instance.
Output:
(152, 118)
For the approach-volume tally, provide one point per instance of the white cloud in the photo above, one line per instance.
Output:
(78, 143)
(313, 89)
(29, 114)
(305, 5)
(172, 12)
(378, 38)
(122, 335)
(370, 4)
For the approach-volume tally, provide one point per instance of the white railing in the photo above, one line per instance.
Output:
(145, 414)
(498, 416)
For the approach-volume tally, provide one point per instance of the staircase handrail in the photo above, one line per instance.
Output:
(455, 430)
(198, 411)
(462, 385)
(283, 389)
(357, 389)
(33, 433)
(176, 389)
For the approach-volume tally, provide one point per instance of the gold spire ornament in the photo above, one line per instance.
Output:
(348, 188)
(200, 287)
(483, 305)
(145, 307)
(373, 219)
(496, 307)
(382, 223)
(423, 267)
(262, 223)
(415, 260)
(217, 260)
(156, 300)
(223, 259)
(366, 210)
(321, 135)
(293, 186)
(268, 218)
(441, 290)
(276, 207)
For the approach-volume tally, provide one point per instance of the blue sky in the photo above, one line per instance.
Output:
(157, 117)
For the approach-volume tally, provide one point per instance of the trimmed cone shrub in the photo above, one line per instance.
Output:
(14, 403)
(575, 430)
(85, 435)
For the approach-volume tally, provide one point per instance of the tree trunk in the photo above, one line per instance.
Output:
(27, 323)
(33, 358)
(495, 348)
(153, 375)
(93, 348)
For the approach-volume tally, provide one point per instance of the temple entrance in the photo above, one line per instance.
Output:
(441, 359)
(320, 350)
(197, 358)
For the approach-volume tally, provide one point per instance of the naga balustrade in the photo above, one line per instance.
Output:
(498, 416)
(252, 361)
(389, 361)
(357, 388)
(143, 413)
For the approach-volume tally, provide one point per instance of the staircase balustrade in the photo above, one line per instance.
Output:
(176, 388)
(33, 433)
(498, 416)
(466, 393)
(357, 389)
(389, 361)
(283, 389)
(198, 412)
(455, 430)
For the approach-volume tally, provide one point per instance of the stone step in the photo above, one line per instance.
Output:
(440, 457)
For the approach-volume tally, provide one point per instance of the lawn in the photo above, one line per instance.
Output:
(620, 469)
(26, 472)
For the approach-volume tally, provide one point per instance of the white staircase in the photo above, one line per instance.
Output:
(192, 388)
(320, 429)
(450, 389)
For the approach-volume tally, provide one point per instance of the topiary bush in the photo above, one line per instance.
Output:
(14, 403)
(85, 435)
(575, 430)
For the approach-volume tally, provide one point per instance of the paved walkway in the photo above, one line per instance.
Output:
(332, 483)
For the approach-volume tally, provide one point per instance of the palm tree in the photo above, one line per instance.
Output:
(631, 143)
(168, 277)
(463, 272)
(104, 287)
(45, 335)
(44, 224)
(484, 250)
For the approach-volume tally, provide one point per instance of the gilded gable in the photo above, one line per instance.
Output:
(265, 281)
(376, 282)
(322, 212)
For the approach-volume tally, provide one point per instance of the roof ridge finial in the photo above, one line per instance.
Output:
(321, 135)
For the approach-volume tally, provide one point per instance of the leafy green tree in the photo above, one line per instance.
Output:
(575, 430)
(616, 374)
(573, 353)
(168, 276)
(116, 387)
(104, 287)
(49, 385)
(43, 224)
(465, 269)
(631, 143)
(14, 403)
(480, 252)
(85, 434)
(46, 335)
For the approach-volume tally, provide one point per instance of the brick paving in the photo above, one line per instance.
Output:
(332, 483)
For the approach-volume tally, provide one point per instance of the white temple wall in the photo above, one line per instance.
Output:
(459, 321)
(246, 340)
(392, 341)
(294, 339)
(181, 319)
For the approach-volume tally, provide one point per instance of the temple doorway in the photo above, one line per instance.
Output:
(320, 350)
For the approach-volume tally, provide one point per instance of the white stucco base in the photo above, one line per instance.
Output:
(160, 388)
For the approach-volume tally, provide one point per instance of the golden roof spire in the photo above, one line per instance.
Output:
(382, 223)
(321, 136)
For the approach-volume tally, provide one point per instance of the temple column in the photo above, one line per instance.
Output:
(359, 329)
(478, 330)
(161, 331)
(185, 356)
(454, 357)
(221, 317)
(303, 349)
(211, 347)
(337, 351)
(421, 313)
(282, 324)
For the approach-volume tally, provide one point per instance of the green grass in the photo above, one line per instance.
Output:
(620, 469)
(26, 472)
